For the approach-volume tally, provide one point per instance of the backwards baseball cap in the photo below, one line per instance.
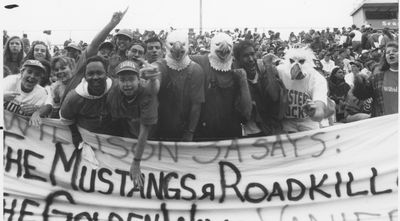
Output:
(34, 63)
(127, 66)
(74, 46)
(125, 32)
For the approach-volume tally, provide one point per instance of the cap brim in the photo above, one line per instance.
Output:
(127, 70)
(36, 66)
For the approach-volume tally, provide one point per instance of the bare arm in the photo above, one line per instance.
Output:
(102, 35)
(135, 172)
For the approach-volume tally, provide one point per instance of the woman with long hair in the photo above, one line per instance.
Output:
(13, 54)
(38, 50)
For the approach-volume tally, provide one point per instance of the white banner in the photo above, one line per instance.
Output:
(345, 172)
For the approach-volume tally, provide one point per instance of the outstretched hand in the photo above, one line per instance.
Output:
(136, 175)
(117, 16)
(149, 71)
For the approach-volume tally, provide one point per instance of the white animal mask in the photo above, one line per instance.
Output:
(177, 45)
(300, 62)
(221, 52)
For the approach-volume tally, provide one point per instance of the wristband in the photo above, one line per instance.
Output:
(137, 160)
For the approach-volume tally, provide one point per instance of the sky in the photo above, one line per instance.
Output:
(82, 19)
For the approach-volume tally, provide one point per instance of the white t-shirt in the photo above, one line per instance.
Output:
(358, 35)
(327, 66)
(12, 83)
(314, 87)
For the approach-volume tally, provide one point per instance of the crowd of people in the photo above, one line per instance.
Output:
(175, 86)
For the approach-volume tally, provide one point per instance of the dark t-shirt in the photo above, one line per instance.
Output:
(90, 114)
(131, 112)
(390, 92)
(179, 90)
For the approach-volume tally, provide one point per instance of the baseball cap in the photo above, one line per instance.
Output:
(34, 63)
(127, 66)
(125, 32)
(74, 46)
(106, 44)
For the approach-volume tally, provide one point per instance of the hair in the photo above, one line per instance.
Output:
(240, 47)
(384, 65)
(153, 39)
(140, 43)
(29, 55)
(46, 76)
(63, 60)
(7, 56)
(97, 58)
(386, 32)
(6, 71)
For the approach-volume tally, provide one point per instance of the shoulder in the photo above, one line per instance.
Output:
(72, 97)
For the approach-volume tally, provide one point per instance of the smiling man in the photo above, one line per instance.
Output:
(134, 106)
(86, 104)
(22, 93)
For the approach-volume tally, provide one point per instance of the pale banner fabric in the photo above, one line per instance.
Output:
(344, 172)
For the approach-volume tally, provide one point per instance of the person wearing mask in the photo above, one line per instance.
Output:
(227, 96)
(13, 54)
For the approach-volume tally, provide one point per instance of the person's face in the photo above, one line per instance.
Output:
(123, 42)
(327, 57)
(247, 59)
(104, 53)
(153, 51)
(62, 72)
(15, 46)
(39, 51)
(72, 53)
(392, 56)
(95, 76)
(31, 76)
(128, 83)
(354, 68)
(339, 74)
(135, 52)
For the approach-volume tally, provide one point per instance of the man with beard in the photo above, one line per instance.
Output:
(227, 96)
(135, 107)
(153, 50)
(181, 90)
(267, 92)
(85, 106)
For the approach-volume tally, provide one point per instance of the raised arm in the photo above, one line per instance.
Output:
(102, 35)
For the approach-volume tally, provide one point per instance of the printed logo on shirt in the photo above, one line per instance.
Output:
(390, 89)
(296, 100)
(13, 106)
